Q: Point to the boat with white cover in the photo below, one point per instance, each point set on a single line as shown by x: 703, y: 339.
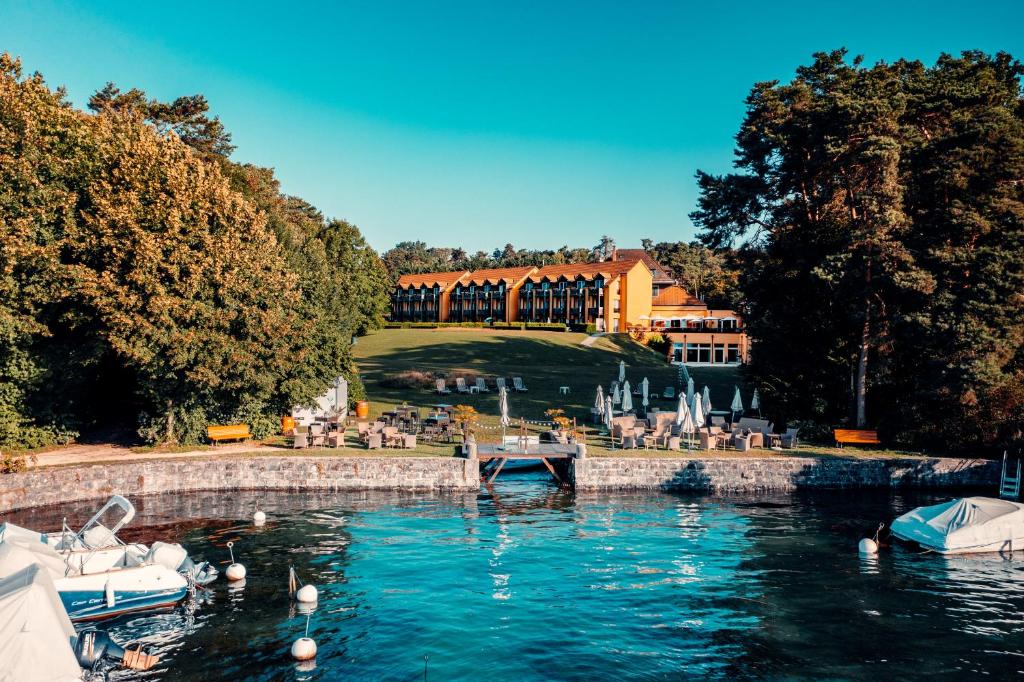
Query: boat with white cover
x: 965, y: 525
x: 97, y: 575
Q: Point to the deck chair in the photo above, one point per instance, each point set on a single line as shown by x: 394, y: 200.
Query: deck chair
x: 441, y: 388
x: 481, y: 385
x: 669, y: 392
x: 499, y: 383
x: 517, y: 384
x: 460, y: 385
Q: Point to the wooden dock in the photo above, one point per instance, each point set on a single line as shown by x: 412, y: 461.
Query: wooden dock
x: 494, y: 457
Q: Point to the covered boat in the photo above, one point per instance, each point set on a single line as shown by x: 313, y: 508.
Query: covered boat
x: 965, y: 525
x: 37, y: 637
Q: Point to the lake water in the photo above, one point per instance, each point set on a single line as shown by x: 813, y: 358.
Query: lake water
x: 527, y: 582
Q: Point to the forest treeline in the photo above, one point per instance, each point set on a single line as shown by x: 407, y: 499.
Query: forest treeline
x: 149, y: 282
x: 879, y: 214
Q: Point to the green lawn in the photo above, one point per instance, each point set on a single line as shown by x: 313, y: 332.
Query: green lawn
x: 545, y: 360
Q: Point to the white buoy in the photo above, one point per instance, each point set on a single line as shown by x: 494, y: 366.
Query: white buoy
x: 303, y: 649
x: 259, y: 518
x: 867, y: 546
x: 234, y: 571
x: 306, y: 594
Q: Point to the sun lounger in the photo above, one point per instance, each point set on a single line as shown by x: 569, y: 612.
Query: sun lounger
x: 500, y: 383
x: 481, y: 385
x: 517, y: 384
x: 460, y: 385
x: 668, y: 393
x: 441, y: 388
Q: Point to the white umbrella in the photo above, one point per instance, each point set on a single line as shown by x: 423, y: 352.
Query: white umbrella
x: 697, y: 412
x: 755, y: 403
x: 599, y: 400
x: 684, y: 420
x: 644, y: 388
x: 608, y: 416
x: 503, y: 408
x: 689, y: 390
x: 616, y: 395
x: 622, y: 371
x: 706, y: 401
x: 627, y: 398
x: 737, y: 404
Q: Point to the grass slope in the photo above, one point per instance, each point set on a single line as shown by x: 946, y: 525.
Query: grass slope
x: 545, y: 360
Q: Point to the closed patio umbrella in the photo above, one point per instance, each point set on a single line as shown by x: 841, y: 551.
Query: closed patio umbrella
x: 599, y: 400
x: 627, y: 398
x: 616, y: 395
x: 737, y: 404
x: 755, y: 403
x: 697, y: 412
x: 689, y: 390
x: 644, y: 388
x: 684, y: 420
x: 608, y: 416
x: 622, y: 371
x: 706, y: 401
x: 503, y: 408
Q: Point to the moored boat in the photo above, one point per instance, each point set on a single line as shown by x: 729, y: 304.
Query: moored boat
x: 964, y: 525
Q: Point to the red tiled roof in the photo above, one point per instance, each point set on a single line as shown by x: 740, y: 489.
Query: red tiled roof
x: 495, y: 275
x: 442, y: 279
x: 676, y: 295
x: 640, y: 254
x: 572, y: 270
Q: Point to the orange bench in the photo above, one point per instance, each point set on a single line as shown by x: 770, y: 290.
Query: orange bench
x: 228, y: 432
x: 856, y: 437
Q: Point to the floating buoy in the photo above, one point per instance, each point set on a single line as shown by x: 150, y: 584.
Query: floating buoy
x: 258, y: 517
x: 867, y: 546
x: 234, y: 571
x: 303, y: 649
x: 306, y: 594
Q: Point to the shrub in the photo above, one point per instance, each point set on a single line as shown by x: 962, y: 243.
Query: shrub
x: 12, y: 464
x: 408, y: 379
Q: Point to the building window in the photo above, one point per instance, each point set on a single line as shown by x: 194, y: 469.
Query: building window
x: 580, y: 284
x: 728, y: 323
x: 719, y: 353
x: 437, y: 290
x: 545, y: 286
x: 599, y: 282
x: 675, y: 324
x: 615, y: 306
x: 561, y: 286
x: 733, y: 352
x: 529, y: 286
x: 698, y: 353
x: 677, y: 352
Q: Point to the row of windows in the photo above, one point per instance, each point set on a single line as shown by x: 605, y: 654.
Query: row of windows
x: 562, y: 286
x: 719, y: 353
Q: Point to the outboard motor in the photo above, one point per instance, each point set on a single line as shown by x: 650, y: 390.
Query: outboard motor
x: 94, y: 646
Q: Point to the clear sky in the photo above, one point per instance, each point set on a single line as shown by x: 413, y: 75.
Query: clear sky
x: 478, y: 123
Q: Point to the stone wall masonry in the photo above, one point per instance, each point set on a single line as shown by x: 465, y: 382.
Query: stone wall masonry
x: 57, y: 485
x: 734, y: 474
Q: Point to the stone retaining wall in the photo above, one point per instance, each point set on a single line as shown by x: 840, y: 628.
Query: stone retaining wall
x: 734, y: 474
x: 56, y: 485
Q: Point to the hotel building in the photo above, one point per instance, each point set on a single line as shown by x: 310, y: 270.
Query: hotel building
x: 628, y: 292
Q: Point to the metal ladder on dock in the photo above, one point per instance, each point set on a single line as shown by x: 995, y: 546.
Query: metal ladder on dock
x: 1009, y: 482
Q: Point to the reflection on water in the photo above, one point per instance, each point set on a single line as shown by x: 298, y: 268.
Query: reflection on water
x: 528, y: 582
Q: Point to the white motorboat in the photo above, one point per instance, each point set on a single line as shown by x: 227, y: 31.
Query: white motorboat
x: 965, y: 525
x: 96, y: 574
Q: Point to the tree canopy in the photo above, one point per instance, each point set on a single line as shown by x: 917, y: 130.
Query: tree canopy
x: 880, y: 212
x: 144, y: 275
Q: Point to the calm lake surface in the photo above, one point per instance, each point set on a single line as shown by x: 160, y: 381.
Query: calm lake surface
x: 527, y: 582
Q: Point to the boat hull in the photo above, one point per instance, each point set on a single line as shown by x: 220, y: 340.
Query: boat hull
x: 103, y: 595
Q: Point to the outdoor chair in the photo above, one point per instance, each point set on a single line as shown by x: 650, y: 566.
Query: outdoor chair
x: 668, y: 393
x: 499, y: 383
x: 460, y: 385
x: 743, y: 443
x: 299, y: 441
x: 409, y: 440
x: 374, y: 442
x: 708, y: 440
x: 441, y: 388
x: 336, y: 439
x: 789, y: 439
x: 756, y: 439
x: 481, y: 386
x: 390, y: 434
x: 518, y: 385
x: 316, y: 435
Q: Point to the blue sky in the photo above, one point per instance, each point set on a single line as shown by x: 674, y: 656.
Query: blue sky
x: 474, y: 124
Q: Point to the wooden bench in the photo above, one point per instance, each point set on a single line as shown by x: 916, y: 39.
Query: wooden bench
x: 856, y: 437
x: 228, y: 432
